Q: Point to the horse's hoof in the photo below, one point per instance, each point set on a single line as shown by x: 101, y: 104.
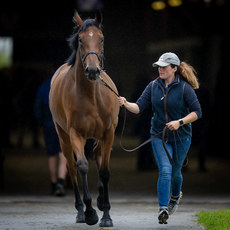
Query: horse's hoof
x: 106, y: 222
x: 80, y: 218
x: 91, y: 217
x: 100, y: 203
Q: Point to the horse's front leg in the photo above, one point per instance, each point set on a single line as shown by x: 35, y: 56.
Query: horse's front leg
x: 79, y: 205
x: 78, y: 143
x: 104, y: 175
x: 68, y: 152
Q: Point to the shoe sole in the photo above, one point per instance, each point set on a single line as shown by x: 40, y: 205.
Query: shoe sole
x: 163, y: 217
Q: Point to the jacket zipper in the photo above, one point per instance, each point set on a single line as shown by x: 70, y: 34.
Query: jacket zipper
x: 165, y: 105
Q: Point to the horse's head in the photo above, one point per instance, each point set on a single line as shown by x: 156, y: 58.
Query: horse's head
x: 91, y: 45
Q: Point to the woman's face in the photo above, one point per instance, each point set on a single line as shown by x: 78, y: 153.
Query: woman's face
x: 167, y: 72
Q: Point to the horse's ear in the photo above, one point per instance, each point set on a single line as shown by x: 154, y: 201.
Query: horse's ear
x: 98, y: 17
x: 78, y: 19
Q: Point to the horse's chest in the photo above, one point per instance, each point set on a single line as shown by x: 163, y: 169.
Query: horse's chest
x: 92, y: 125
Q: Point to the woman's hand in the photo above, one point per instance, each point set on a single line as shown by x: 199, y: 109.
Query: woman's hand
x: 122, y: 100
x: 173, y: 125
x: 132, y: 107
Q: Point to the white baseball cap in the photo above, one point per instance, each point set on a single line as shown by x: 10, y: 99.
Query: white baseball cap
x: 167, y: 59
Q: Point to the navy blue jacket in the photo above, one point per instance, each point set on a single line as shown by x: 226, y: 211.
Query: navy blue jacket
x: 41, y: 105
x: 168, y: 104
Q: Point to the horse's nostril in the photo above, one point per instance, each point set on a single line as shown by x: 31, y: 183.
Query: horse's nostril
x: 97, y: 72
x: 87, y: 71
x: 92, y: 72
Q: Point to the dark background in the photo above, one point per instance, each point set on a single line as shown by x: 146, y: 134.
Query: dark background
x: 135, y: 37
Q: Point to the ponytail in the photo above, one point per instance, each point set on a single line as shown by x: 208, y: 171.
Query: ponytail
x: 189, y: 74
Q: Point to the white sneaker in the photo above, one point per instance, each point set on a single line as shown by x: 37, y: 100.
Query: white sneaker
x: 173, y: 203
x: 163, y: 216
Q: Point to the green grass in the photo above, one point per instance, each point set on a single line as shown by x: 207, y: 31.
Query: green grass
x: 215, y: 220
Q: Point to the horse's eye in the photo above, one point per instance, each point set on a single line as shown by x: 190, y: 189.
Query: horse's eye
x: 80, y: 41
x: 102, y: 40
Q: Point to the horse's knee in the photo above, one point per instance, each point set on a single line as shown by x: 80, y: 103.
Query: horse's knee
x: 82, y: 166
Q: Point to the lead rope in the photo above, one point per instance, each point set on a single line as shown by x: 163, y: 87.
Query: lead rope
x: 139, y: 146
x: 106, y: 84
x: 185, y: 163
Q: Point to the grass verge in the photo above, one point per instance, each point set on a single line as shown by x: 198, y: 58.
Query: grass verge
x: 215, y: 220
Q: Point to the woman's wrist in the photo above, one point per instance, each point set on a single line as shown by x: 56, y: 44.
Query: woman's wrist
x: 181, y: 122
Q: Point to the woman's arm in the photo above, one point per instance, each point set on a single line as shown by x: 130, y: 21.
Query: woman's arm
x: 142, y: 103
x: 193, y: 104
x: 174, y: 125
x: 191, y: 117
x: 132, y: 107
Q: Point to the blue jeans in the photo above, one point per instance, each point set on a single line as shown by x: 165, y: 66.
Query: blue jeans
x: 170, y: 177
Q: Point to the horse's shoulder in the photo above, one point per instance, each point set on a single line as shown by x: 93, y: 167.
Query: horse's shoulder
x: 61, y: 70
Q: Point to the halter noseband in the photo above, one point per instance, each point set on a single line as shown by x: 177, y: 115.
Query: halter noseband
x: 100, y: 58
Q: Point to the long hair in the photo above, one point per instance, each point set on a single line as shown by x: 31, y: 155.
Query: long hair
x: 189, y: 74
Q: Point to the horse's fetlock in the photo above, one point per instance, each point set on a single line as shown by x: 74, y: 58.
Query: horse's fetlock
x: 79, y: 206
x: 88, y: 201
x: 106, y: 206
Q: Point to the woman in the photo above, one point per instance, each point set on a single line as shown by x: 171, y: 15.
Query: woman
x: 175, y: 105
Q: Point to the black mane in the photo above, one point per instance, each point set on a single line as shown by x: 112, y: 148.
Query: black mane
x: 73, y: 39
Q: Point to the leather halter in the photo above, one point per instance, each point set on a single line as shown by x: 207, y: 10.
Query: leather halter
x: 100, y: 58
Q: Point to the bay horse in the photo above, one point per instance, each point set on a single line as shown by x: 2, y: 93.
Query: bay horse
x: 83, y: 108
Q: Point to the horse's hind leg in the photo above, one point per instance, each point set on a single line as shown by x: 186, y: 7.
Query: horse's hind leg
x: 104, y: 175
x: 100, y: 198
x: 78, y: 143
x: 68, y: 152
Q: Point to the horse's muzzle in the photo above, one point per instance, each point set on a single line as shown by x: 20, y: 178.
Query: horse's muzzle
x: 92, y: 73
